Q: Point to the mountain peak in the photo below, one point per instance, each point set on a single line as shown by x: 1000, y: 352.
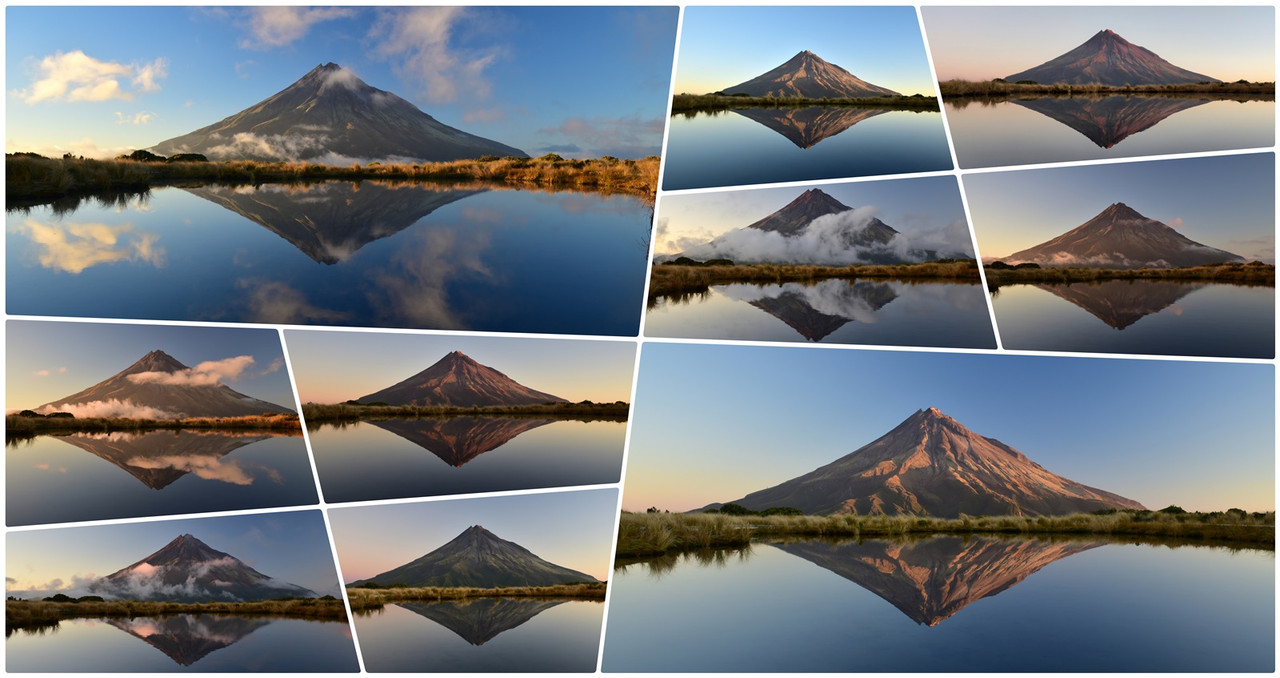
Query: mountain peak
x: 457, y: 380
x: 810, y: 76
x: 189, y: 570
x: 157, y: 361
x: 1108, y: 59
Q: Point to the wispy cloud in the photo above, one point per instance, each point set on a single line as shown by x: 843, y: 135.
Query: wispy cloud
x: 419, y: 43
x: 76, y: 76
x: 142, y: 118
x: 207, y: 373
x: 277, y: 26
x: 74, y: 247
x: 622, y: 137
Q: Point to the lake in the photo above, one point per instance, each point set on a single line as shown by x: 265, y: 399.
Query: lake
x: 1059, y: 129
x: 96, y: 476
x: 830, y: 311
x: 1139, y: 316
x: 191, y: 643
x: 946, y: 604
x: 340, y: 253
x: 428, y: 457
x: 483, y: 635
x: 764, y: 145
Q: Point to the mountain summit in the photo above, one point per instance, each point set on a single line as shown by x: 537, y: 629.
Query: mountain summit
x: 809, y: 76
x: 458, y: 381
x: 158, y: 386
x: 930, y: 464
x: 796, y: 216
x: 333, y: 116
x: 187, y: 570
x: 1120, y: 237
x: 479, y: 558
x: 1108, y: 59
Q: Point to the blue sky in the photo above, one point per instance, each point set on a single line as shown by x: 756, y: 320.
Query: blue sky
x: 571, y: 529
x: 713, y: 423
x: 723, y: 46
x: 580, y: 81
x: 290, y: 546
x: 576, y: 370
x: 1226, y: 202
x: 46, y: 361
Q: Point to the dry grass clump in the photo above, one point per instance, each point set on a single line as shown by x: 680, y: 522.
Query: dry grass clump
x: 1002, y: 88
x: 1252, y: 273
x: 713, y: 102
x: 316, y: 414
x: 672, y: 279
x: 373, y: 598
x: 18, y: 426
x: 42, y: 613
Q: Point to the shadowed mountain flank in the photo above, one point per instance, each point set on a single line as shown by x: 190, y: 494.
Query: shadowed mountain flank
x: 185, y: 638
x: 159, y: 458
x: 458, y: 440
x: 933, y: 579
x: 932, y: 465
x: 1120, y: 237
x: 458, y: 381
x: 331, y: 221
x: 1108, y: 59
x: 480, y: 559
x: 1121, y: 303
x: 480, y: 620
x: 1106, y: 121
x: 187, y: 570
x: 332, y: 115
x: 157, y: 386
x: 807, y: 126
x: 808, y: 76
x: 796, y: 216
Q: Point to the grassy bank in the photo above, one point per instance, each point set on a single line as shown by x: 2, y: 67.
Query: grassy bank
x: 676, y: 279
x: 681, y: 103
x: 34, y: 179
x: 316, y: 413
x: 653, y: 534
x: 40, y: 613
x: 19, y: 427
x: 1001, y: 88
x: 374, y: 598
x: 1253, y: 273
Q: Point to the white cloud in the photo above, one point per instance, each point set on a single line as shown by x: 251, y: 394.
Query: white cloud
x: 112, y: 408
x: 208, y: 373
x: 417, y: 42
x: 620, y: 137
x: 136, y: 119
x: 73, y: 247
x: 76, y: 76
x: 277, y: 26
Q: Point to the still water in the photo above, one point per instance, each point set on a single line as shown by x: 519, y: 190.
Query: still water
x: 1057, y: 129
x: 763, y: 145
x: 830, y: 311
x: 483, y: 635
x: 340, y: 253
x: 946, y: 604
x: 1139, y: 316
x: 191, y: 643
x: 96, y: 476
x: 429, y: 457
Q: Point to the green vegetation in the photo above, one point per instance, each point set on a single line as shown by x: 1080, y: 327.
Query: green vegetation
x: 32, y: 179
x: 685, y: 276
x: 373, y: 597
x: 316, y: 414
x: 692, y: 103
x: 1253, y: 273
x: 1002, y: 88
x: 652, y: 533
x: 28, y: 424
x: 36, y: 614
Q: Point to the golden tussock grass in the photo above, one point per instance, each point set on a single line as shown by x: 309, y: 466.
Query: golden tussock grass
x: 373, y: 598
x: 676, y: 279
x: 1252, y: 273
x: 37, y: 613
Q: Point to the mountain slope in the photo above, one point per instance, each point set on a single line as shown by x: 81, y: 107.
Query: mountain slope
x: 932, y: 465
x: 458, y: 381
x: 187, y: 570
x: 1108, y: 59
x: 807, y: 75
x: 160, y: 387
x: 479, y: 558
x: 331, y: 115
x: 1120, y: 237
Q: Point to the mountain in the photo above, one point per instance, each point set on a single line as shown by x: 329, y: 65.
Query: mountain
x: 796, y: 216
x: 479, y: 558
x: 186, y: 638
x: 1120, y: 237
x: 808, y: 76
x: 1108, y: 59
x: 330, y: 115
x: 1106, y: 121
x: 806, y: 126
x: 458, y: 440
x: 480, y: 620
x: 160, y: 387
x: 1121, y: 303
x: 815, y: 311
x: 932, y: 465
x: 160, y: 458
x: 458, y: 381
x: 187, y: 570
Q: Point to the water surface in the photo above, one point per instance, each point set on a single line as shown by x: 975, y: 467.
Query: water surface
x: 1139, y: 316
x: 428, y: 457
x: 96, y: 476
x: 830, y: 311
x: 762, y: 145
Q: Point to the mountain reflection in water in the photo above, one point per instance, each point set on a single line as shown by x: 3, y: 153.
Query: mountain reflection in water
x: 187, y: 638
x: 479, y: 620
x: 457, y: 440
x: 816, y: 311
x: 158, y: 458
x: 1121, y: 303
x: 1107, y: 121
x: 805, y: 127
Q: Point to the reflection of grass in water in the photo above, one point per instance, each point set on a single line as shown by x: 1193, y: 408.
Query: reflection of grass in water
x: 316, y: 414
x: 1001, y: 88
x: 654, y: 534
x: 19, y: 427
x: 681, y: 280
x: 364, y: 599
x: 691, y: 104
x: 40, y: 615
x: 1252, y: 273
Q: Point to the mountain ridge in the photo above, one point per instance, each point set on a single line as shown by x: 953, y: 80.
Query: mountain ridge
x: 457, y: 380
x: 806, y: 75
x: 1108, y: 59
